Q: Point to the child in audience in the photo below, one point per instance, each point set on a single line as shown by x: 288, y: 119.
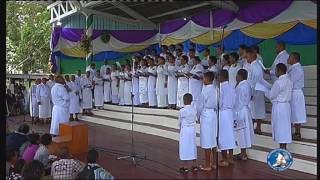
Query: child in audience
x: 32, y: 148
x: 33, y: 170
x: 42, y: 154
x: 187, y: 141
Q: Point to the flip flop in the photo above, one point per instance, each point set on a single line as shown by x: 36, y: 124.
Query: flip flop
x: 205, y: 168
x: 183, y: 170
x: 195, y: 168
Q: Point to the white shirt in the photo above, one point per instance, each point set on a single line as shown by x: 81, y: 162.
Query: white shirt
x: 233, y: 70
x: 243, y: 95
x: 60, y: 96
x: 296, y: 75
x: 197, y: 70
x: 187, y: 116
x: 103, y: 69
x: 255, y: 74
x: 42, y: 90
x: 227, y: 96
x: 92, y: 72
x: 282, y: 57
x: 204, y: 62
x: 208, y: 98
x: 281, y: 90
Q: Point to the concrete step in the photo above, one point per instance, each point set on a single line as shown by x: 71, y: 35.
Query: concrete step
x: 310, y: 110
x: 307, y: 166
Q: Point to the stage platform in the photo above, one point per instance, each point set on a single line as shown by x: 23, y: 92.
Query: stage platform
x: 162, y: 154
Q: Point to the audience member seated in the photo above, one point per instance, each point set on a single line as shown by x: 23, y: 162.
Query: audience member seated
x: 32, y: 148
x: 66, y: 167
x: 16, y: 139
x: 33, y: 170
x: 16, y: 173
x: 92, y: 170
x: 11, y: 158
x: 42, y: 153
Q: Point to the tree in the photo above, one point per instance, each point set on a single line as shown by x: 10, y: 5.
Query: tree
x: 28, y: 34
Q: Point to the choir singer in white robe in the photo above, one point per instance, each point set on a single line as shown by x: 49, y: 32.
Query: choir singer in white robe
x: 74, y: 94
x: 298, y: 106
x: 226, y: 139
x: 98, y: 91
x: 61, y: 103
x: 143, y: 83
x: 135, y: 83
x: 183, y: 80
x: 34, y: 107
x: 114, y: 84
x: 234, y: 68
x: 161, y: 84
x: 280, y: 96
x: 172, y: 82
x: 43, y: 99
x: 127, y: 85
x: 107, y: 86
x: 244, y: 133
x: 121, y: 86
x: 86, y: 95
x: 195, y: 79
x: 152, y: 78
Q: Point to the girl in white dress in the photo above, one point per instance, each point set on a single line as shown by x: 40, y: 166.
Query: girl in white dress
x: 152, y: 77
x: 114, y: 84
x: 86, y: 94
x: 143, y: 83
x: 234, y: 68
x: 127, y: 85
x: 107, y: 85
x: 161, y: 84
x: 183, y: 80
x: 121, y: 86
x: 74, y: 98
x: 172, y: 82
x: 98, y: 91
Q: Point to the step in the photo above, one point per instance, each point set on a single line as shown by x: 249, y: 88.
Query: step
x: 310, y: 110
x: 311, y: 121
x: 299, y: 164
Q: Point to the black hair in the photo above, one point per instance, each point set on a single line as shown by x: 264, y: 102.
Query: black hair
x: 34, y: 138
x: 19, y: 166
x: 92, y: 156
x: 296, y: 56
x: 93, y: 64
x: 197, y: 59
x: 209, y: 75
x: 46, y: 139
x: 282, y: 44
x: 227, y: 58
x: 248, y: 50
x: 164, y: 46
x: 187, y: 98
x: 33, y: 170
x: 256, y: 48
x: 282, y: 67
x: 185, y: 57
x: 10, y: 154
x: 224, y: 74
x: 243, y: 73
x: 235, y: 56
x: 213, y: 58
x: 221, y: 47
x: 242, y: 46
x: 24, y: 128
x: 193, y: 50
x: 208, y: 50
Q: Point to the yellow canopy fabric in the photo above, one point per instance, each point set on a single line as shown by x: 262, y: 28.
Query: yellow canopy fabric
x: 206, y: 39
x: 312, y: 23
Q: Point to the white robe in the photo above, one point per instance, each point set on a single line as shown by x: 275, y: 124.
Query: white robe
x: 298, y: 105
x: 215, y: 70
x: 233, y: 70
x: 245, y: 136
x: 143, y: 85
x: 127, y: 88
x: 34, y: 107
x: 282, y: 57
x: 227, y: 100
x: 280, y: 96
x: 195, y: 86
x: 187, y: 141
x: 78, y: 80
x: 152, y: 97
x: 107, y: 87
x: 257, y: 105
x: 121, y: 88
x: 92, y: 72
x: 135, y: 89
x: 86, y: 86
x: 204, y: 61
x: 207, y: 109
x: 60, y: 111
x: 98, y: 92
x: 161, y: 90
x: 74, y: 97
x: 114, y: 87
x: 103, y: 69
x: 43, y: 96
x: 183, y: 85
x: 172, y: 84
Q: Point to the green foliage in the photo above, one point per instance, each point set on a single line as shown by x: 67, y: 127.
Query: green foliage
x: 28, y: 36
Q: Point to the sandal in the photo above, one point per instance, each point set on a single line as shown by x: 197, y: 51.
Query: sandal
x: 258, y: 132
x: 183, y: 170
x: 296, y: 136
x: 205, y: 168
x: 194, y: 168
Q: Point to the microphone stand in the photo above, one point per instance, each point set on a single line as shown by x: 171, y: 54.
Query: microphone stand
x: 133, y: 156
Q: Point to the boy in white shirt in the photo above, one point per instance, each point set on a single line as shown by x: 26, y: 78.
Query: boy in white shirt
x: 187, y: 141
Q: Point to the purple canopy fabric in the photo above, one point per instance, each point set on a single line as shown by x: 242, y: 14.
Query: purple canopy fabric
x: 219, y: 18
x: 72, y: 34
x: 171, y: 26
x: 133, y: 36
x: 55, y: 37
x: 262, y: 10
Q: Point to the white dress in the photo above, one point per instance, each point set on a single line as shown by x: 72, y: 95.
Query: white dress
x: 107, y: 87
x: 282, y: 57
x: 74, y: 97
x: 43, y: 96
x: 187, y: 141
x: 143, y: 85
x: 86, y: 87
x: 127, y: 88
x: 172, y: 84
x: 227, y: 100
x: 152, y: 97
x: 60, y: 110
x: 195, y: 86
x: 161, y: 90
x: 34, y: 107
x: 135, y: 89
x: 298, y: 104
x: 280, y: 96
x: 233, y: 70
x: 207, y: 109
x: 183, y: 85
x: 114, y: 87
x: 244, y: 136
x: 98, y: 92
x: 121, y: 88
